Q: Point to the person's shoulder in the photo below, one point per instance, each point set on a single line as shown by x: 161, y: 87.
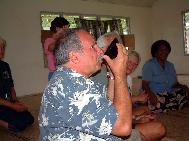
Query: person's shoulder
x: 169, y: 63
x: 50, y: 39
x: 149, y: 62
x: 3, y: 63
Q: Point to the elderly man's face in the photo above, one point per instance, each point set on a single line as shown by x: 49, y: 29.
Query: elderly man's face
x: 2, y: 51
x: 91, y: 53
x: 132, y: 64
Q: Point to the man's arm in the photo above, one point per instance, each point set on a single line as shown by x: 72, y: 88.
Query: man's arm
x: 121, y: 96
x: 123, y: 105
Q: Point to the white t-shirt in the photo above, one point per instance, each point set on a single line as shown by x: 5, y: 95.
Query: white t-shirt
x: 129, y: 83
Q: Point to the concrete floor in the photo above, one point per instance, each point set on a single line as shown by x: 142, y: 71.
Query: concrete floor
x: 177, y: 124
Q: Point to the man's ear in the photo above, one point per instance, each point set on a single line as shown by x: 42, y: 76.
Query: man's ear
x: 73, y: 57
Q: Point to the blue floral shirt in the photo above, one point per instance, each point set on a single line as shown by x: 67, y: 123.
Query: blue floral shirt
x: 75, y: 108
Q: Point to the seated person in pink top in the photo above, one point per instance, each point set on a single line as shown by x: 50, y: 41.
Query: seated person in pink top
x: 58, y: 26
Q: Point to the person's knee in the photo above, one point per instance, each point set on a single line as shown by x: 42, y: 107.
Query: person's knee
x: 154, y: 130
x: 20, y: 127
x: 30, y: 120
x: 3, y: 124
x: 16, y: 127
x: 27, y: 118
x: 160, y: 129
x: 24, y: 122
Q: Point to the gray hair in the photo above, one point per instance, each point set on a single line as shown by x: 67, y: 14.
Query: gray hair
x: 101, y: 42
x: 136, y: 54
x: 3, y: 42
x: 69, y: 41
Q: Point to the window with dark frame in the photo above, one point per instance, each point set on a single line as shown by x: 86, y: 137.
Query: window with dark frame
x: 47, y: 17
x: 95, y: 24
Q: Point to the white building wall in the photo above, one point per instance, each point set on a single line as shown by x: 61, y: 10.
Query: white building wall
x: 20, y: 26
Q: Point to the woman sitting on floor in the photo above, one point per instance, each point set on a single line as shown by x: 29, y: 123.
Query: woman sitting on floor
x: 160, y: 82
x: 14, y: 115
